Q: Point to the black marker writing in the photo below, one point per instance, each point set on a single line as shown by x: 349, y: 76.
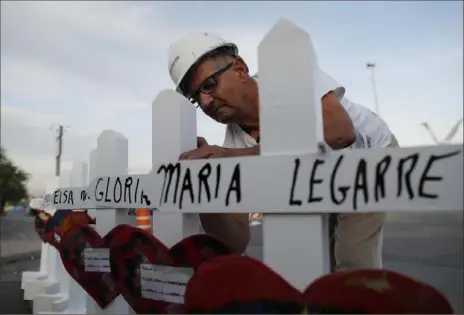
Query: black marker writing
x: 218, y: 181
x: 168, y: 174
x: 410, y: 172
x: 313, y: 181
x: 63, y: 197
x: 405, y: 175
x: 426, y: 177
x: 202, y: 181
x: 342, y: 189
x: 381, y: 169
x: 360, y: 183
x: 84, y: 195
x: 292, y: 201
x: 117, y: 190
x: 125, y: 193
x: 235, y: 186
x: 186, y: 187
x: 203, y: 175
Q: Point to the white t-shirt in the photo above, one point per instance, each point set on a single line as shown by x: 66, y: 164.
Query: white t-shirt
x: 371, y: 130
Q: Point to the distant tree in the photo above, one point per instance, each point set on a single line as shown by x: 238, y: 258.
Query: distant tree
x: 12, y: 181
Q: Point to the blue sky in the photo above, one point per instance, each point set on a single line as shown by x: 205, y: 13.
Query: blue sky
x: 96, y: 66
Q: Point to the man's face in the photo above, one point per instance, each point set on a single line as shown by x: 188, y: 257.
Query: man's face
x: 217, y: 86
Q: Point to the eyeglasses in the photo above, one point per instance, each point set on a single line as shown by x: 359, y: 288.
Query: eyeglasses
x: 209, y: 84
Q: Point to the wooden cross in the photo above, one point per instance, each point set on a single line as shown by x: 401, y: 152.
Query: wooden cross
x: 296, y: 182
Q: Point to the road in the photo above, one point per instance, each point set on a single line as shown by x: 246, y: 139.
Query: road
x: 19, y: 251
x: 427, y: 247
x: 17, y: 235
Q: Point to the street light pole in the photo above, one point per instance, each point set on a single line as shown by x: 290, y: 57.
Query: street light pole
x: 59, y: 149
x: 60, y: 129
x: 371, y: 67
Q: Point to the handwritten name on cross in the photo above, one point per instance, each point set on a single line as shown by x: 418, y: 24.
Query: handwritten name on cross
x: 393, y: 179
x: 365, y: 180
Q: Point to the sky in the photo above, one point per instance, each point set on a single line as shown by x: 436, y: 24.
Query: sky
x: 94, y: 65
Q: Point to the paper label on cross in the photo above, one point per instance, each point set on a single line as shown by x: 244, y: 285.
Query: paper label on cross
x: 97, y: 260
x: 164, y: 283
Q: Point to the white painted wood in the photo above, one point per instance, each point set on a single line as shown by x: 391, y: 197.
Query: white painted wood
x: 62, y: 276
x: 79, y: 174
x: 174, y: 131
x: 77, y: 295
x: 54, y: 258
x: 112, y: 159
x: 295, y: 228
x: 71, y: 297
x: 35, y: 283
x: 93, y: 173
x: 46, y: 291
x: 90, y: 306
x: 291, y: 121
x: 266, y: 183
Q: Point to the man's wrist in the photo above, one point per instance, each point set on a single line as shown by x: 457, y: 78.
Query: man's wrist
x: 234, y: 152
x: 244, y: 151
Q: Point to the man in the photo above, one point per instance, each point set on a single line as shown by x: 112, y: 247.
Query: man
x: 208, y: 70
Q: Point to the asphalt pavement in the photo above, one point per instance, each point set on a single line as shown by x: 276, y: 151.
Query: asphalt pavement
x: 19, y: 251
x: 427, y: 247
x: 17, y: 235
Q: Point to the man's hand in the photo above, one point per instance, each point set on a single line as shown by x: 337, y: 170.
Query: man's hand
x: 206, y: 151
x: 232, y: 228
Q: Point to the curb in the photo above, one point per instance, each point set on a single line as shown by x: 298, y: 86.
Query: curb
x: 32, y: 255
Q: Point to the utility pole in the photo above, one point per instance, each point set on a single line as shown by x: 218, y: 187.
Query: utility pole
x: 59, y: 149
x: 371, y: 66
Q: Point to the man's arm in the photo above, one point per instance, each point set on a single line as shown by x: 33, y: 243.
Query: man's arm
x: 234, y: 229
x: 231, y: 228
x: 339, y: 131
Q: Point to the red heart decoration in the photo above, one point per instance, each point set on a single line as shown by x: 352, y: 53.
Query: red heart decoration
x: 99, y: 285
x: 238, y: 284
x: 135, y: 246
x: 73, y: 218
x: 48, y: 227
x: 374, y: 291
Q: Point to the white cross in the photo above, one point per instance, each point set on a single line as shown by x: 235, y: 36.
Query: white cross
x: 293, y: 183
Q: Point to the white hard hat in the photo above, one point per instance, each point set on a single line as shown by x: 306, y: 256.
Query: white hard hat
x: 191, y: 50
